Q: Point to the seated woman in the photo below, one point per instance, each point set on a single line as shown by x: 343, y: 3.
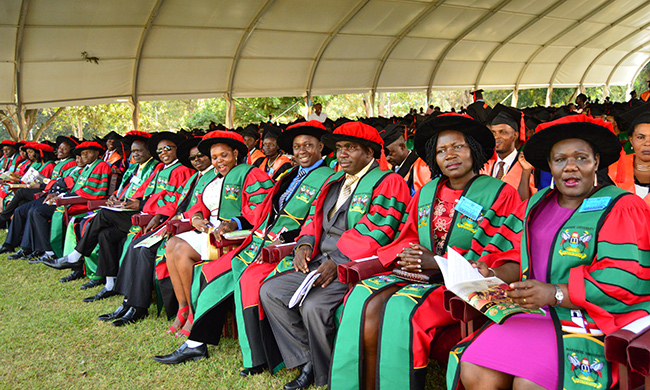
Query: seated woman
x: 238, y: 189
x: 584, y: 259
x: 632, y: 172
x: 455, y: 147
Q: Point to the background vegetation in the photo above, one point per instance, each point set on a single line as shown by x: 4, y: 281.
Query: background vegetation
x: 98, y: 120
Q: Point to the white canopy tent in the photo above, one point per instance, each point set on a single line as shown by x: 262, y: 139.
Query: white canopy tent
x: 176, y: 49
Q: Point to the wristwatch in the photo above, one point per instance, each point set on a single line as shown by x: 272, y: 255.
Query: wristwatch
x: 559, y: 295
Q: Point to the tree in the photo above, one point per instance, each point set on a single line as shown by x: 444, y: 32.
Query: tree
x: 19, y: 123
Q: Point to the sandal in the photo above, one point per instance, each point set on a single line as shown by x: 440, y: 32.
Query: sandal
x: 181, y: 318
x: 183, y: 332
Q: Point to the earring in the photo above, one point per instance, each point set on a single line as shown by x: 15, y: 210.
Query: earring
x: 595, y: 180
x: 552, y: 183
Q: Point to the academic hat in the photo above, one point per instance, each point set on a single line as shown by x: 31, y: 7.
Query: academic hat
x: 392, y: 133
x: 70, y: 140
x: 595, y: 131
x: 112, y: 135
x: 92, y: 145
x: 313, y: 127
x: 8, y: 143
x: 152, y: 143
x: 510, y: 116
x: 183, y: 151
x: 479, y: 91
x: 270, y: 131
x: 251, y: 131
x: 356, y: 132
x: 230, y: 138
x: 636, y: 116
x: 136, y: 135
x: 457, y: 122
x: 632, y: 92
x: 340, y: 121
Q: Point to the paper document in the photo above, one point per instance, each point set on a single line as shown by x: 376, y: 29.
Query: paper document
x: 487, y: 295
x: 303, y: 290
x: 115, y: 208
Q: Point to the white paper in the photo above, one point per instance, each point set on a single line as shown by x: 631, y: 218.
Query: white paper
x: 638, y: 325
x: 456, y: 269
x: 366, y: 259
x: 115, y: 208
x: 303, y: 289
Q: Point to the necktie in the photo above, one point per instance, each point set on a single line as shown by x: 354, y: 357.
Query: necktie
x: 285, y: 196
x: 345, y: 193
x: 500, y: 170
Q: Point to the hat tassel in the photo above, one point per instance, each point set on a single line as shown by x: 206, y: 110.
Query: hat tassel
x: 522, y: 128
x: 383, y: 163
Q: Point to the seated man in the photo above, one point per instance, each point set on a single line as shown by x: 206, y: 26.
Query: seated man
x: 10, y: 156
x: 358, y: 210
x: 405, y: 162
x: 109, y: 228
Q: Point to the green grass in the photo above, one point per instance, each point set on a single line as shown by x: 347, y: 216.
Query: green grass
x: 50, y: 339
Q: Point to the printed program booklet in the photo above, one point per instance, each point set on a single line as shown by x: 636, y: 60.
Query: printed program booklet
x: 487, y: 295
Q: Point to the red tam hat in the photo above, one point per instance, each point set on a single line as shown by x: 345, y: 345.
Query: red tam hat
x: 313, y: 127
x: 234, y: 140
x: 88, y: 145
x: 8, y: 143
x: 595, y: 131
x: 360, y: 133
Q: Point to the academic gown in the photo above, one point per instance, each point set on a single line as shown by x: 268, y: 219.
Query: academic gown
x: 368, y: 220
x: 413, y: 312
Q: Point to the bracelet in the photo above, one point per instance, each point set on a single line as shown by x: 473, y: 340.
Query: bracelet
x: 494, y: 273
x: 195, y: 217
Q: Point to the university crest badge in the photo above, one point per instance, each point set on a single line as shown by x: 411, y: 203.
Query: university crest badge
x: 574, y: 244
x: 232, y: 192
x: 359, y: 203
x: 251, y: 251
x: 305, y: 193
x: 464, y: 222
x: 423, y: 215
x: 586, y: 372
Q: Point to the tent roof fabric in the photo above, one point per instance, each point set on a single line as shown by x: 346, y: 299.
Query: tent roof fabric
x: 175, y: 49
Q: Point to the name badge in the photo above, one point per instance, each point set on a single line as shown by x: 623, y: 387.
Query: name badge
x: 469, y: 208
x: 594, y: 204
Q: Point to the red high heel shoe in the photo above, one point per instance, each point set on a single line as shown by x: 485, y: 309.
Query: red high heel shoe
x: 183, y: 332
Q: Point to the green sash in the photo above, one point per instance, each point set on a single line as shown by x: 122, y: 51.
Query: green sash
x: 482, y: 190
x: 582, y: 362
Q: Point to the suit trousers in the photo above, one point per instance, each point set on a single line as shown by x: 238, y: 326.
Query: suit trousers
x: 108, y: 229
x: 304, y: 333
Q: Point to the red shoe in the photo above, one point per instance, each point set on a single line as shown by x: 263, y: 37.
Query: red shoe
x: 181, y: 318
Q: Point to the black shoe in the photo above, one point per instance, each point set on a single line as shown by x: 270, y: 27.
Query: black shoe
x: 92, y: 283
x: 44, y: 257
x: 183, y: 354
x: 20, y: 255
x: 36, y: 255
x: 63, y: 263
x: 74, y: 275
x: 6, y: 248
x: 118, y: 313
x: 134, y: 314
x: 252, y: 371
x: 304, y: 380
x: 102, y: 294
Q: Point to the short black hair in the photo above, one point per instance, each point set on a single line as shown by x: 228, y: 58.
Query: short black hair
x: 476, y: 151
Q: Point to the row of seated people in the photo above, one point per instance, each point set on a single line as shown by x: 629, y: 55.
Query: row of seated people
x: 363, y: 210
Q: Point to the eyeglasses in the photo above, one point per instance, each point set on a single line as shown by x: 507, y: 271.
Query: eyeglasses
x: 198, y: 155
x: 165, y: 148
